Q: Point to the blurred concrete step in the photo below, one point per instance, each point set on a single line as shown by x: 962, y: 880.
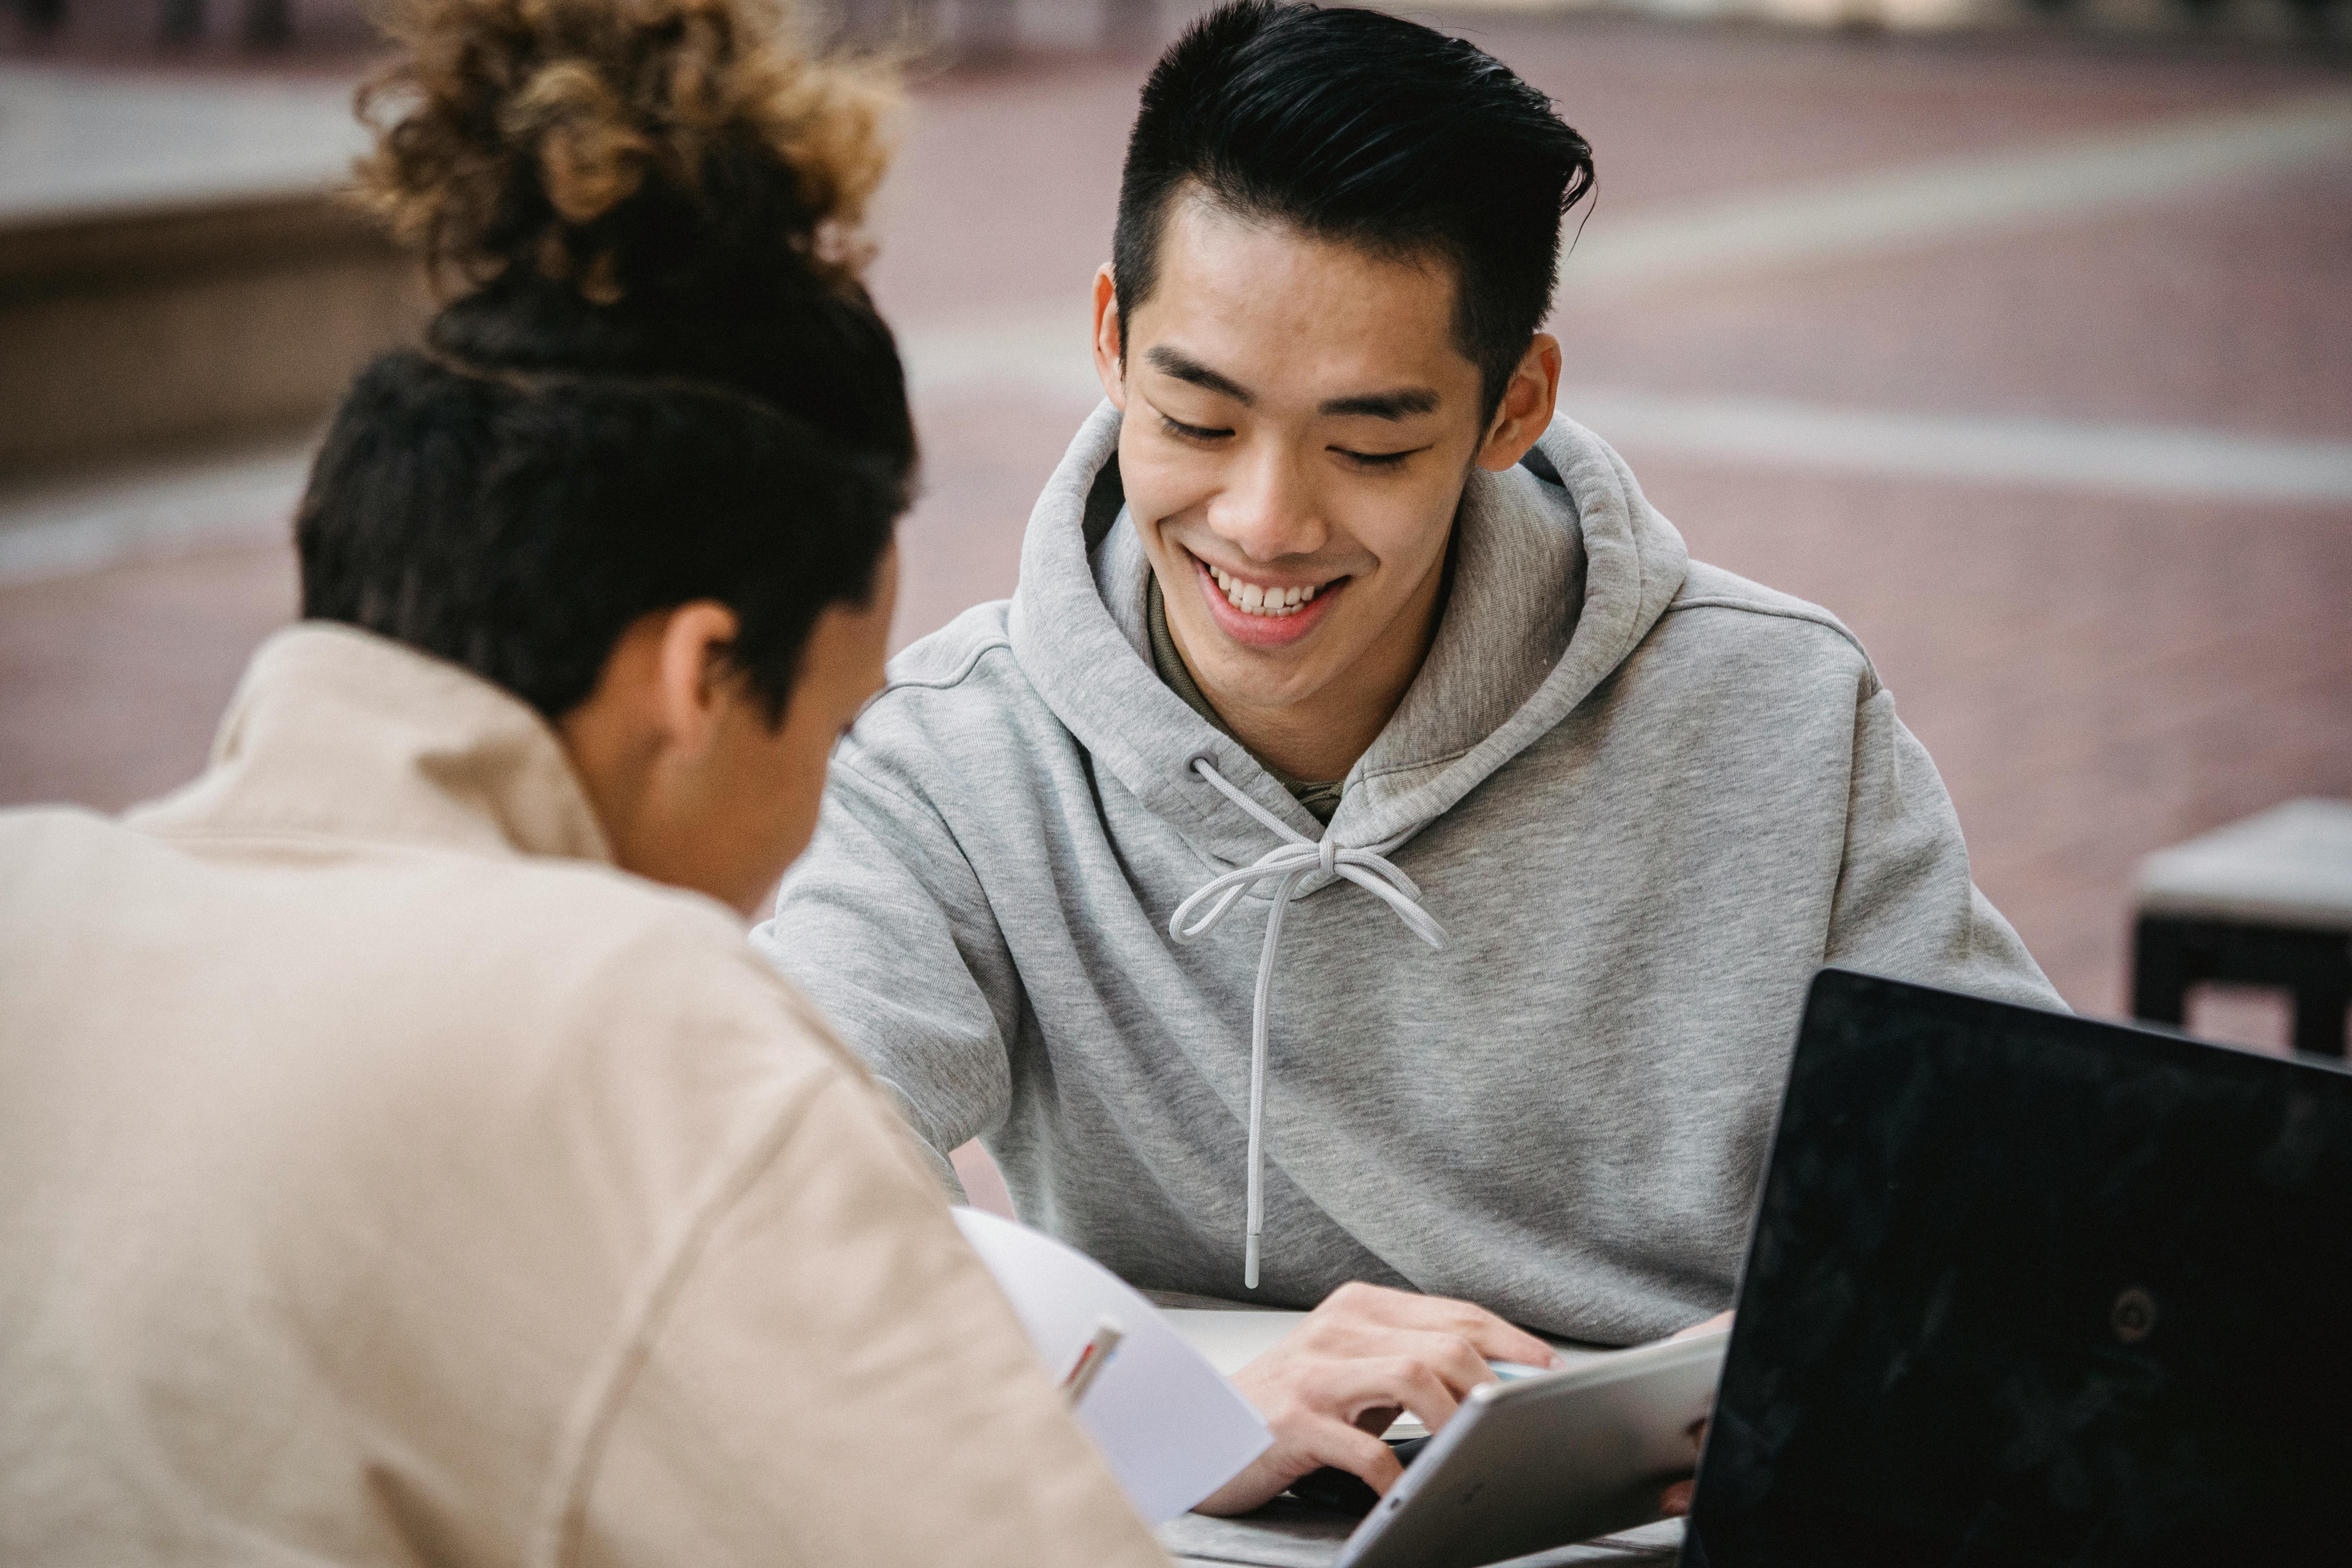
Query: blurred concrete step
x: 64, y: 523
x: 175, y: 264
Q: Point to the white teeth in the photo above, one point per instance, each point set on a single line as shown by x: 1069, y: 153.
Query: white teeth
x: 1255, y: 599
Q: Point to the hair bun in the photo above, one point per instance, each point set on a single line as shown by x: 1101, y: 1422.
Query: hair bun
x: 622, y: 148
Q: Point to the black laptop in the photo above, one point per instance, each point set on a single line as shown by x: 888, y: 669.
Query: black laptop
x: 2030, y: 1289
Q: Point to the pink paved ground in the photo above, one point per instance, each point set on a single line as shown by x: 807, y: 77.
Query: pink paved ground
x: 2096, y: 675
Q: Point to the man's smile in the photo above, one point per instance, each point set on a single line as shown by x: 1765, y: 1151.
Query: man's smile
x: 1260, y: 612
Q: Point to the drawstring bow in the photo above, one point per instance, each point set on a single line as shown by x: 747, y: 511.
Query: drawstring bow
x: 1287, y: 864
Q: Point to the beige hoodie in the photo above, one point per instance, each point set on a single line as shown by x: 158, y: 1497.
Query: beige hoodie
x: 386, y: 1178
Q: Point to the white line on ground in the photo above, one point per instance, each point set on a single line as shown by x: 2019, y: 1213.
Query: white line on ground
x: 2177, y: 464
x: 2181, y: 465
x: 1939, y: 202
x: 254, y: 498
x: 241, y: 496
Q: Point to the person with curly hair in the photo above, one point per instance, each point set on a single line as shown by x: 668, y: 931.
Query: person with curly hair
x: 402, y: 1157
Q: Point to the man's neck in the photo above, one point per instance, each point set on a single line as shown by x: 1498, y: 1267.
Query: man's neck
x: 1318, y: 739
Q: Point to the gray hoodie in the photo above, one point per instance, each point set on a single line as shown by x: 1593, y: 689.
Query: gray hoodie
x: 1523, y: 1036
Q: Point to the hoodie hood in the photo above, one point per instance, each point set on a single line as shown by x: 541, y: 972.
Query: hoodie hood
x: 1530, y: 1058
x: 1561, y: 568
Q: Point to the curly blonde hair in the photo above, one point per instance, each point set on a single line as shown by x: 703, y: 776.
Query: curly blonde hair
x: 615, y: 146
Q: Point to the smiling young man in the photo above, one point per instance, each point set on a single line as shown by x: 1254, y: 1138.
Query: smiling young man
x: 1366, y: 848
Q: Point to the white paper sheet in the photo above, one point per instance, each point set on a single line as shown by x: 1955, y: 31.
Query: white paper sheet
x: 1172, y: 1428
x: 1229, y: 1341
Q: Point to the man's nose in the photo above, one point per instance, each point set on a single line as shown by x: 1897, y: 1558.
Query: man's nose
x: 1267, y: 511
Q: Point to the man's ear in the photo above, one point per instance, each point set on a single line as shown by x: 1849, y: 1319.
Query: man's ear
x: 1527, y: 407
x: 1107, y: 347
x: 693, y: 672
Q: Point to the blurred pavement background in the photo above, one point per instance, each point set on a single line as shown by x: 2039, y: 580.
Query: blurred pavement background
x: 2026, y: 349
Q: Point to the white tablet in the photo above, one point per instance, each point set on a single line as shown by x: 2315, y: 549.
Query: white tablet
x: 1538, y: 1462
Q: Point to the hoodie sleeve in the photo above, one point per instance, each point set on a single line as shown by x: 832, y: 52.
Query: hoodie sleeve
x: 1905, y: 906
x: 884, y: 926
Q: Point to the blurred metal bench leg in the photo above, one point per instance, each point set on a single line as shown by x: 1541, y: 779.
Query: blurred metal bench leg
x: 2171, y: 956
x: 182, y: 21
x: 2164, y: 968
x: 268, y: 23
x: 2265, y: 901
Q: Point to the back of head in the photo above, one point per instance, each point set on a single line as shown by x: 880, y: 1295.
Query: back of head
x: 1353, y: 125
x: 660, y: 380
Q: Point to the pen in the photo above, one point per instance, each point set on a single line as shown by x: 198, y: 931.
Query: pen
x: 1093, y: 1356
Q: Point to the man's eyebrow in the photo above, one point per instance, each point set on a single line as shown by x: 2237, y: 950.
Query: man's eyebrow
x: 1397, y: 405
x: 1185, y: 367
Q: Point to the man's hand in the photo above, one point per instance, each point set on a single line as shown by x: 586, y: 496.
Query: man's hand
x: 1675, y: 1501
x: 1337, y: 1381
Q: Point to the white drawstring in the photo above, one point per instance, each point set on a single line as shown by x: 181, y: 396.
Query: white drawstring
x: 1287, y: 864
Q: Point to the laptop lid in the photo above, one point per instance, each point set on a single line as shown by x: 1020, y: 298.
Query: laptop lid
x: 2026, y: 1288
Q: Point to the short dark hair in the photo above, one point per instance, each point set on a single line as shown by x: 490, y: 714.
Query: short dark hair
x: 1353, y: 125
x: 666, y: 383
x: 519, y: 527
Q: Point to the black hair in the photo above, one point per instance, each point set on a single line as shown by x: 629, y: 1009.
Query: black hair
x: 665, y: 381
x: 548, y: 471
x: 1353, y: 125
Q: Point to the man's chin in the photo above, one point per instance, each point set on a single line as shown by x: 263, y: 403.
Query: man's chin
x: 1238, y: 678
